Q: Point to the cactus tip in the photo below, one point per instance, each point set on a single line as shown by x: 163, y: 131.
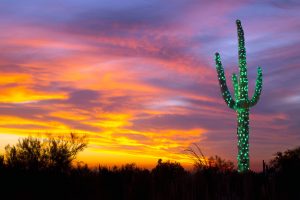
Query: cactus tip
x: 238, y: 22
x: 217, y: 54
x: 259, y: 69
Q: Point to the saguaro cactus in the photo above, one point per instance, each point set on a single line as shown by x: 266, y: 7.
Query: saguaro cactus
x: 240, y: 103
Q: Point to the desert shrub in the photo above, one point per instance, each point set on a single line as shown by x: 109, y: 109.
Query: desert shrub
x: 288, y: 161
x: 285, y: 173
x: 55, y: 153
x: 1, y: 161
x: 28, y: 153
x: 220, y: 164
x: 168, y: 170
x: 201, y: 162
x: 61, y: 151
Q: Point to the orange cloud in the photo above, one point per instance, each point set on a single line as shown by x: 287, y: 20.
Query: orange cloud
x: 22, y: 94
x: 15, y: 78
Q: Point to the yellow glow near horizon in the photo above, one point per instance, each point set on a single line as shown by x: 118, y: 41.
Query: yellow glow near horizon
x: 95, y: 157
x: 21, y: 94
x: 110, y: 151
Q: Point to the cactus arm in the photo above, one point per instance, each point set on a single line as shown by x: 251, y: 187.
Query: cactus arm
x: 235, y: 86
x: 222, y: 82
x: 243, y: 83
x: 258, y: 88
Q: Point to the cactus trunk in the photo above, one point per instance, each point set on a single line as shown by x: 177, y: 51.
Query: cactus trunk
x: 243, y: 139
x: 241, y: 104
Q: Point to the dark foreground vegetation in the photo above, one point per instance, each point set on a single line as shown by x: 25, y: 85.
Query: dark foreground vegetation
x: 36, y: 169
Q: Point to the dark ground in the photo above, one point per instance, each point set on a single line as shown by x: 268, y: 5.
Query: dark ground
x: 36, y: 169
x: 130, y: 182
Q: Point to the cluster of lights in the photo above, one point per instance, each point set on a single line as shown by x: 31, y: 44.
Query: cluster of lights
x: 241, y: 103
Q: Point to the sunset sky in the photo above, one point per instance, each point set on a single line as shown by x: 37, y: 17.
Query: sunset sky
x: 138, y: 77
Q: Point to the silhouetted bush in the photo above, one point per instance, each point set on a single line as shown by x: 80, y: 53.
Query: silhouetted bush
x: 288, y: 161
x: 220, y: 164
x: 285, y: 173
x: 168, y: 180
x: 28, y: 153
x: 212, y: 163
x: 61, y: 151
x: 55, y: 153
x: 168, y: 170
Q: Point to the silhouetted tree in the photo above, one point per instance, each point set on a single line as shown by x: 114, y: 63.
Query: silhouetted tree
x: 28, y: 153
x: 56, y: 153
x: 285, y: 171
x: 288, y: 161
x: 61, y: 151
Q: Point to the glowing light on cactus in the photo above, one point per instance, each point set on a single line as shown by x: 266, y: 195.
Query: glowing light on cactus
x: 240, y: 103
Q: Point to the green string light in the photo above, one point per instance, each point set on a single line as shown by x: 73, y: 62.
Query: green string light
x: 241, y: 104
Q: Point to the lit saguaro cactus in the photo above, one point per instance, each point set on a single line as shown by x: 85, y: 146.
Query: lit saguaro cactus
x: 240, y: 103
